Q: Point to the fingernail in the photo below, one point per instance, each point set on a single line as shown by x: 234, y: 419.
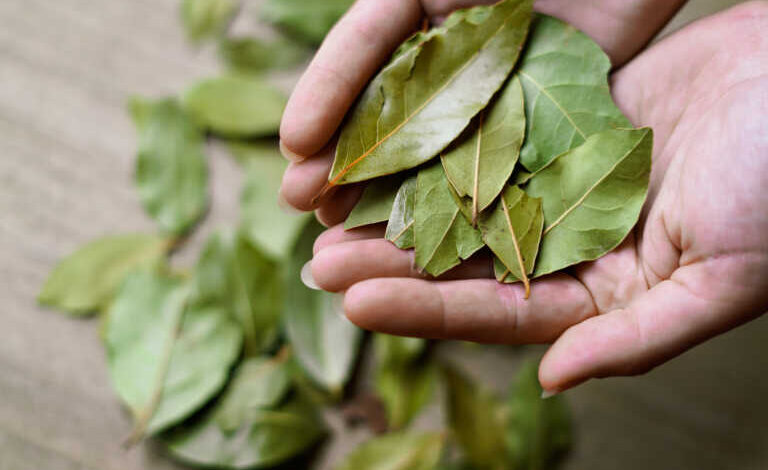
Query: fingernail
x: 548, y: 394
x: 306, y: 276
x: 289, y: 155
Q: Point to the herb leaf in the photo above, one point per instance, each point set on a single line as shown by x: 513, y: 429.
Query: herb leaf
x: 397, y: 451
x: 252, y: 56
x: 400, y: 225
x: 206, y: 18
x: 375, y: 205
x: 307, y: 20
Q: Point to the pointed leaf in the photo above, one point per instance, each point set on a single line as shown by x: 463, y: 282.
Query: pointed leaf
x: 252, y: 55
x: 376, y: 203
x: 400, y: 225
x: 86, y: 280
x: 308, y: 20
x: 480, y: 165
x: 205, y: 18
x: 398, y: 451
x: 171, y: 172
x: 427, y: 95
x: 592, y: 197
x: 567, y: 99
x: 236, y: 106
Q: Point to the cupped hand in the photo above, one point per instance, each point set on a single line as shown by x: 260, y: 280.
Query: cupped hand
x: 695, y: 266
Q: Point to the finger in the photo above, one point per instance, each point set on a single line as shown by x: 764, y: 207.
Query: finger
x: 336, y: 208
x: 337, y: 234
x: 303, y: 181
x: 352, y: 52
x: 473, y: 310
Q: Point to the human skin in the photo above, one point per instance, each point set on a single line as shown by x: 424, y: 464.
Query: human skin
x: 695, y: 266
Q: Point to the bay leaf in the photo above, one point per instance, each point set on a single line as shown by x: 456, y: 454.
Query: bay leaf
x: 427, y: 95
x: 86, y: 281
x: 442, y: 236
x: 479, y: 166
x: 261, y: 151
x: 236, y: 277
x: 564, y: 75
x: 512, y: 230
x: 539, y: 430
x: 206, y: 18
x: 264, y: 222
x: 397, y: 451
x: 592, y: 197
x: 375, y: 204
x: 246, y: 55
x: 266, y: 437
x: 324, y: 341
x: 307, y: 20
x: 166, y: 358
x: 400, y: 225
x: 171, y: 172
x: 236, y: 106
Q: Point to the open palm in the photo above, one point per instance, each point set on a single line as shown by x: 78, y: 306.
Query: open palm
x: 697, y: 263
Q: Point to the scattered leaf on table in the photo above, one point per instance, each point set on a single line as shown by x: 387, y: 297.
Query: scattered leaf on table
x: 480, y: 165
x: 236, y: 277
x: 206, y: 18
x: 425, y: 97
x: 323, y: 340
x: 565, y: 81
x: 236, y: 106
x: 252, y: 55
x: 397, y: 451
x: 308, y: 20
x: 166, y: 357
x: 512, y: 230
x: 592, y: 197
x: 85, y: 281
x: 171, y: 172
x: 264, y: 152
x: 265, y: 223
x: 539, y: 430
x: 375, y: 205
x: 400, y: 225
x: 442, y: 236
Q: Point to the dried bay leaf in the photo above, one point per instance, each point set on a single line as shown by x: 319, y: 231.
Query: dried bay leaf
x: 425, y: 97
x: 480, y: 165
x: 442, y: 236
x: 252, y: 55
x: 86, y: 281
x: 206, y: 18
x: 592, y: 197
x: 564, y: 75
x: 171, y: 172
x: 400, y: 225
x: 236, y: 106
x: 397, y: 451
x: 375, y: 204
x: 307, y: 20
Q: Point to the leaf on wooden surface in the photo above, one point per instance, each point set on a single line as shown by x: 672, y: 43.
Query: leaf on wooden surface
x: 166, y: 357
x: 479, y: 166
x: 427, y: 95
x: 86, y: 281
x: 236, y: 106
x: 171, y: 172
x: 203, y: 19
x: 397, y: 451
x: 512, y: 230
x: 592, y: 197
x: 307, y: 20
x: 323, y: 340
x: 442, y: 236
x: 564, y: 75
x: 400, y: 225
x: 252, y: 56
x: 375, y: 205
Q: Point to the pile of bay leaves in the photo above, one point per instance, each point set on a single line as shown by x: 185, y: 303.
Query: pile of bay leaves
x: 496, y: 129
x: 233, y: 362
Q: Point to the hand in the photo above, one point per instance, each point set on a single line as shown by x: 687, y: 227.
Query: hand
x: 695, y: 266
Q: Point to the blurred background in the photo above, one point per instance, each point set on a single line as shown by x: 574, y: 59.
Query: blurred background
x: 67, y: 148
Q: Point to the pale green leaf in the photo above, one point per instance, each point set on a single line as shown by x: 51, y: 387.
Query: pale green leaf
x: 427, y: 95
x: 400, y: 225
x: 252, y: 55
x: 397, y: 451
x: 307, y: 20
x: 206, y: 18
x: 375, y: 204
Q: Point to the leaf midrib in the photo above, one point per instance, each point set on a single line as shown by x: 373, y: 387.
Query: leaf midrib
x: 543, y: 91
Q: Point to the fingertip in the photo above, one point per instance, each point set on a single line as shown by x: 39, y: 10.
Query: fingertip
x: 330, y: 237
x: 303, y: 181
x: 289, y: 154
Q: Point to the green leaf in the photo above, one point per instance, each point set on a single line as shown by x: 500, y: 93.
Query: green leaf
x: 427, y: 95
x: 206, y: 18
x: 252, y: 56
x: 165, y: 356
x: 512, y: 230
x: 539, y: 430
x: 397, y: 451
x: 375, y: 205
x: 171, y: 172
x: 477, y: 421
x: 233, y: 275
x: 263, y: 152
x: 592, y: 197
x: 324, y: 341
x: 236, y: 106
x: 85, y: 281
x: 307, y: 20
x: 400, y: 225
x: 567, y: 98
x: 442, y: 236
x: 480, y: 165
x: 265, y: 438
x: 265, y: 223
